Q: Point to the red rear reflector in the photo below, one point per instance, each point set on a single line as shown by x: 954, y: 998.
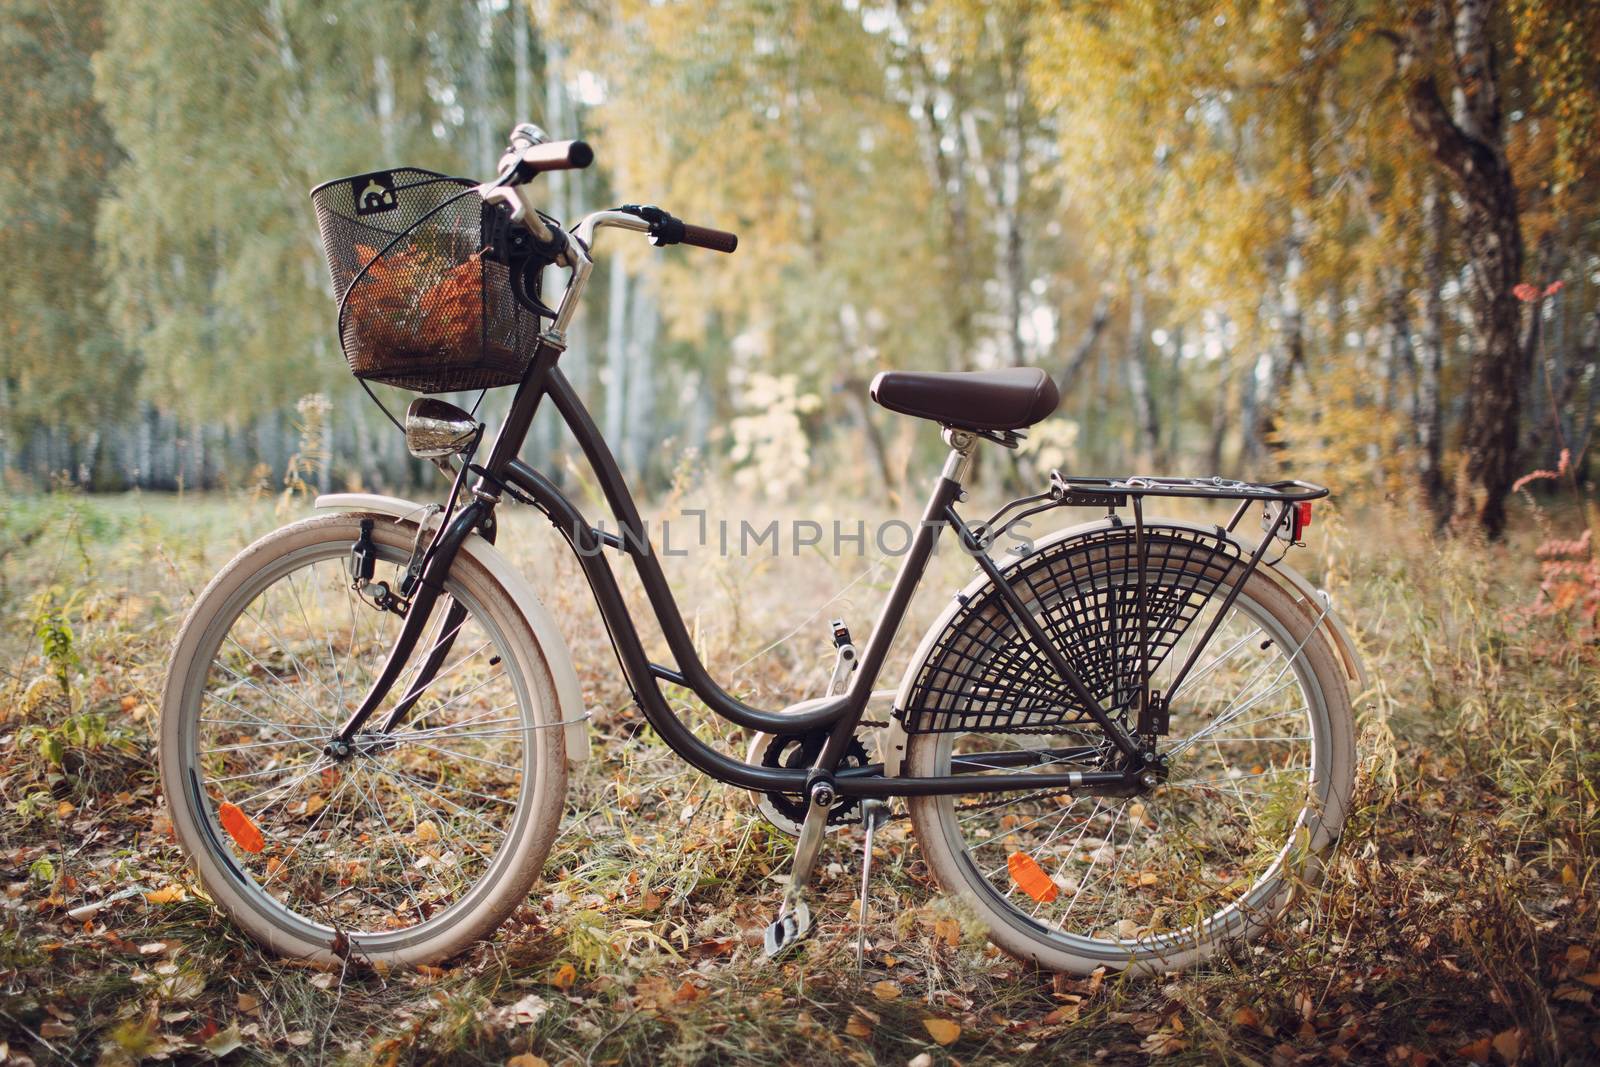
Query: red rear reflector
x: 1302, y: 517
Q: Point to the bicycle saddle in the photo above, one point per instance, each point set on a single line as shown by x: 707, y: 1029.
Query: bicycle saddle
x: 1007, y: 399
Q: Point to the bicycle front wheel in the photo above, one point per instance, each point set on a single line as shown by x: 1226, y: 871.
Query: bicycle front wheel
x: 1260, y: 750
x: 414, y: 842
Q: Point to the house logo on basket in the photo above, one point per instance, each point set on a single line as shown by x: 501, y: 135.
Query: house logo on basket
x: 374, y: 193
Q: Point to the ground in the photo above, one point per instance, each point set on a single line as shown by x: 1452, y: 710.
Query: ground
x: 1457, y: 921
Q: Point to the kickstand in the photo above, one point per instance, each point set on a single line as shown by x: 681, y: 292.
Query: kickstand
x: 874, y: 813
x: 794, y: 918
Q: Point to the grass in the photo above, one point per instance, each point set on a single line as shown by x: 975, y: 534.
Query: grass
x: 1457, y: 921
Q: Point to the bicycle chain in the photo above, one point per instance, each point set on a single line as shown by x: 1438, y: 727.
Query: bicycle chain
x: 984, y: 805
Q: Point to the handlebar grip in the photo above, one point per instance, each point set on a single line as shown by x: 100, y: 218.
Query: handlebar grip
x: 555, y: 155
x: 706, y: 237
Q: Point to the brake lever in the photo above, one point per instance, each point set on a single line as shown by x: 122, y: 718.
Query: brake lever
x: 665, y: 228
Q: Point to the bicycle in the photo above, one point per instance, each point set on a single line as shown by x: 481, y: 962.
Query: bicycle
x: 1126, y: 745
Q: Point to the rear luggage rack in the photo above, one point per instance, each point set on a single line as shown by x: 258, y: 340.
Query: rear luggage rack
x: 1209, y: 488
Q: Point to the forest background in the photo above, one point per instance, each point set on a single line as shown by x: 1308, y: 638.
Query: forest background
x: 1356, y: 240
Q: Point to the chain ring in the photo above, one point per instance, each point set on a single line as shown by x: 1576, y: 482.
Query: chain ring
x: 800, y: 752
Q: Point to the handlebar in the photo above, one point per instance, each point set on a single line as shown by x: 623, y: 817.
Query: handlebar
x: 667, y: 229
x: 529, y: 154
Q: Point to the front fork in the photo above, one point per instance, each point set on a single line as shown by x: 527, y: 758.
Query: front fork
x: 424, y: 598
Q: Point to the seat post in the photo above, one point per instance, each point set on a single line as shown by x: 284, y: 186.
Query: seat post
x: 961, y: 444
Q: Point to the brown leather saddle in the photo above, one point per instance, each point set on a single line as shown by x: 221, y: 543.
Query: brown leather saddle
x: 983, y: 400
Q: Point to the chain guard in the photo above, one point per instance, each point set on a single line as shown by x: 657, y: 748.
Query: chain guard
x: 787, y: 811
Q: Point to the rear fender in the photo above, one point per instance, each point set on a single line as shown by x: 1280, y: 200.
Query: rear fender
x: 544, y: 628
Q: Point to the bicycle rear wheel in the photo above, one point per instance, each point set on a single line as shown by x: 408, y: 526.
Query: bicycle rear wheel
x: 1261, y: 750
x: 418, y: 841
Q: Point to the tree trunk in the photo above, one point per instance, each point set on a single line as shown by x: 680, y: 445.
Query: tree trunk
x: 641, y: 357
x: 521, y: 64
x: 617, y: 384
x: 1219, y: 419
x: 1072, y: 366
x: 1144, y: 405
x: 1430, y: 417
x: 1470, y: 147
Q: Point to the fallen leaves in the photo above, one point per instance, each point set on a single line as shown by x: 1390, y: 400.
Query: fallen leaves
x: 1247, y: 1017
x: 525, y: 1012
x: 223, y: 1042
x: 943, y: 1031
x: 886, y: 991
x: 1508, y: 1043
x: 167, y: 895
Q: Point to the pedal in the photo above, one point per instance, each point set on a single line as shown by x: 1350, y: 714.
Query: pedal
x: 874, y: 813
x: 786, y: 931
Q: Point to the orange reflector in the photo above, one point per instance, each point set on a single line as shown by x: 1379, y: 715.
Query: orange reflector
x: 240, y: 827
x: 1030, y: 877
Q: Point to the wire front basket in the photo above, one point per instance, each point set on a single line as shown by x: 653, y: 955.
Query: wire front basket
x: 1112, y: 623
x: 425, y: 301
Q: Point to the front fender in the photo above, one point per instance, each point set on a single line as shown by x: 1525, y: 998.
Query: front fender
x: 543, y: 625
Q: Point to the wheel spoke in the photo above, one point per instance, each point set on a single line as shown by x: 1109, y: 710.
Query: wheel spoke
x: 1141, y: 874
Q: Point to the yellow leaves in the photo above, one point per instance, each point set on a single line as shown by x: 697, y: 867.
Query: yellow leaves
x: 565, y: 976
x: 943, y: 1031
x: 426, y: 832
x: 1059, y: 1016
x: 1508, y: 1043
x: 886, y: 991
x: 169, y: 895
x: 1163, y: 1043
x: 858, y: 1027
x: 527, y: 1059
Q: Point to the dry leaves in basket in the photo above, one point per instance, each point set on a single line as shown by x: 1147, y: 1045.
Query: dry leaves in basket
x: 382, y: 304
x: 452, y: 311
